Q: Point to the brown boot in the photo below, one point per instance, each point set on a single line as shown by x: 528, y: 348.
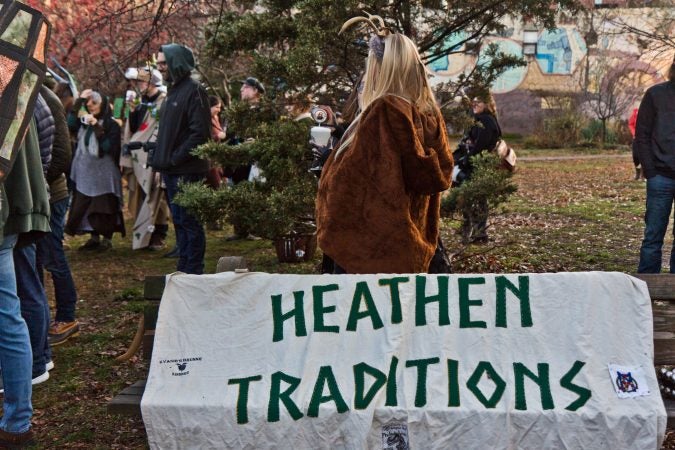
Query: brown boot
x: 16, y: 440
x: 60, y: 332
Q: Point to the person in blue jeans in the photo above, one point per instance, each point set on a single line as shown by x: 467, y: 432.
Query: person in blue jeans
x: 50, y: 253
x: 16, y: 358
x: 655, y: 147
x: 185, y: 123
x: 34, y: 309
x: 24, y: 207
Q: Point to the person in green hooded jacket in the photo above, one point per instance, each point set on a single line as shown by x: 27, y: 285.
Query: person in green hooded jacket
x: 24, y: 217
x: 184, y: 124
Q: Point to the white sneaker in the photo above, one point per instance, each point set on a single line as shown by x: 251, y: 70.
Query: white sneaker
x: 49, y: 365
x: 37, y: 380
x: 41, y: 378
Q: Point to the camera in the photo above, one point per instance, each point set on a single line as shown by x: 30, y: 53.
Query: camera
x: 462, y: 168
x: 321, y: 139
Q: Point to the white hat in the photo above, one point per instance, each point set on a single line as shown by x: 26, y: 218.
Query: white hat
x: 156, y: 78
x: 131, y: 73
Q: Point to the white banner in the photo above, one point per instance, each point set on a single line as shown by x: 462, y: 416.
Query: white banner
x: 262, y: 361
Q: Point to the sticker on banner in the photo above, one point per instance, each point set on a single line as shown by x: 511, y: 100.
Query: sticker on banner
x: 628, y: 381
x: 395, y: 436
x: 179, y: 367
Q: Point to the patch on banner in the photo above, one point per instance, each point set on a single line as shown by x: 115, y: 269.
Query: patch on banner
x: 179, y: 366
x: 628, y: 382
x: 395, y: 436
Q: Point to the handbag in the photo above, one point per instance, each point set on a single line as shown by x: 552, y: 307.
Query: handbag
x: 506, y: 154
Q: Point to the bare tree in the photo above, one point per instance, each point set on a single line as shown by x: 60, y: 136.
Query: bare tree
x: 97, y: 40
x: 614, y: 89
x: 651, y: 29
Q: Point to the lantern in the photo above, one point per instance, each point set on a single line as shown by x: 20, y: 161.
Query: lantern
x: 24, y: 35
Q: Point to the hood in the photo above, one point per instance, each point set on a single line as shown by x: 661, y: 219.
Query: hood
x: 179, y: 61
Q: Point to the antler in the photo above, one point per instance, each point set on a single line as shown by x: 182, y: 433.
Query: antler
x: 381, y: 31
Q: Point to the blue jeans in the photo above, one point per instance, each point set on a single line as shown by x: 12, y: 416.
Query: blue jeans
x: 51, y: 256
x: 190, y: 237
x: 660, y: 197
x: 34, y: 305
x: 16, y: 358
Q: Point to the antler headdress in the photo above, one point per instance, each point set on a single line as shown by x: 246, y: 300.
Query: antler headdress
x: 376, y: 43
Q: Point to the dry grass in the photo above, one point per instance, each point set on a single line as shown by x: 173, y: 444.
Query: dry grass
x: 569, y: 215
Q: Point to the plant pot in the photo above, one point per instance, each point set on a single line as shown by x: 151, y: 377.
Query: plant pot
x: 295, y: 248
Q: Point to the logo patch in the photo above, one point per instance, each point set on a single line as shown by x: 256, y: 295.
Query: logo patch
x: 180, y: 367
x: 625, y: 382
x: 395, y: 436
x: 628, y: 381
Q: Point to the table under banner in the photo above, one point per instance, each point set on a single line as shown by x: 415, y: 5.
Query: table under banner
x: 539, y: 361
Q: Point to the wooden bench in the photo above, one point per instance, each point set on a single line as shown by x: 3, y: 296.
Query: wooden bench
x: 661, y: 290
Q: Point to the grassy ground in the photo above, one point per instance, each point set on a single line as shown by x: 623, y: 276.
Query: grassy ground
x: 568, y: 215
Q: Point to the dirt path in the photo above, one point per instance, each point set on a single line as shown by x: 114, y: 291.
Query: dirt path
x: 571, y: 157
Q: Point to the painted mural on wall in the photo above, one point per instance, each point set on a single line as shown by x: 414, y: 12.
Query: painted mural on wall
x: 513, y: 77
x: 455, y: 63
x: 561, y: 50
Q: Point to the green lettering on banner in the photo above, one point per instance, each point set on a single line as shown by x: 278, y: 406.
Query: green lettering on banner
x: 361, y: 399
x: 453, y: 383
x: 278, y: 317
x: 542, y: 380
x: 396, y: 313
x: 242, y: 399
x: 276, y: 396
x: 362, y: 292
x: 465, y: 303
x: 320, y: 309
x: 583, y: 393
x: 522, y: 292
x: 392, y: 394
x: 421, y: 300
x: 422, y: 365
x: 484, y: 367
x: 326, y: 378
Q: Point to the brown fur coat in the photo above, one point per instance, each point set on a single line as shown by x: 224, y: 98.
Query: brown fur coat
x: 378, y: 205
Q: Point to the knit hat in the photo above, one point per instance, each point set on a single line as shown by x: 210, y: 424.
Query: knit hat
x: 254, y: 83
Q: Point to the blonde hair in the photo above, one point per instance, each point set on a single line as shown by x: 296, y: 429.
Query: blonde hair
x: 401, y: 72
x: 489, y: 100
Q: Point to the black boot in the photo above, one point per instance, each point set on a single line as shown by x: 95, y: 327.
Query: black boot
x: 173, y: 253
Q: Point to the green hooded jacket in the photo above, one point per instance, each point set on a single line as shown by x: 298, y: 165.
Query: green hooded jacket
x: 24, y: 207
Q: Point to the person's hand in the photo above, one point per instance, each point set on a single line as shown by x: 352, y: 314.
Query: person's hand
x: 221, y: 135
x: 89, y: 119
x: 86, y: 93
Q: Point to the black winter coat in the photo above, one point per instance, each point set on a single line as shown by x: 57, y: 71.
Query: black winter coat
x: 655, y: 131
x: 61, y: 149
x: 184, y: 124
x: 483, y: 135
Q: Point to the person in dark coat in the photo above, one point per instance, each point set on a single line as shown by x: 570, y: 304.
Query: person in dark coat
x: 482, y: 136
x: 50, y: 252
x: 185, y: 123
x: 655, y: 146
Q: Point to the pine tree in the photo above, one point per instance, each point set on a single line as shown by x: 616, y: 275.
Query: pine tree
x: 293, y: 47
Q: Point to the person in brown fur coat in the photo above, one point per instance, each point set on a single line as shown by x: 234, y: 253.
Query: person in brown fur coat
x: 378, y: 204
